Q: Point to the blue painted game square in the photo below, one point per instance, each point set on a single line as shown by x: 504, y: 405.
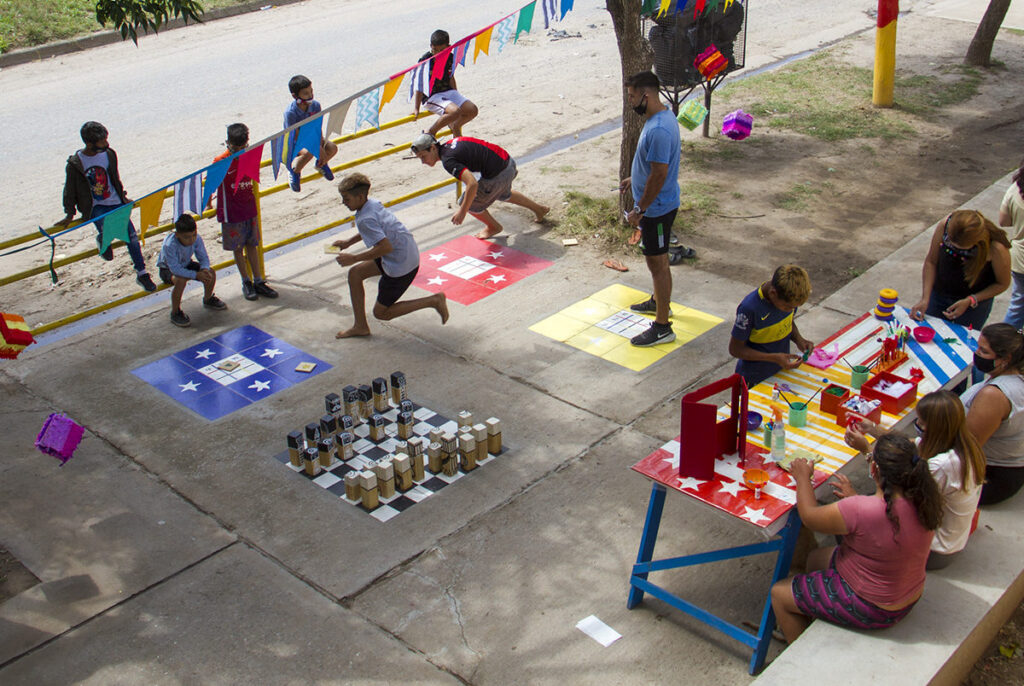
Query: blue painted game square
x: 272, y: 351
x: 202, y: 354
x: 242, y: 338
x: 191, y: 382
x: 260, y: 385
x: 213, y: 405
x: 164, y: 370
x: 287, y: 371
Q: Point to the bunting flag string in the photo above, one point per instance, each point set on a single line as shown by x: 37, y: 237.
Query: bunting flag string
x: 482, y: 43
x: 390, y: 88
x: 336, y: 118
x: 215, y: 177
x: 420, y: 81
x: 149, y: 211
x: 368, y: 110
x: 525, y: 19
x: 551, y: 11
x: 248, y: 166
x: 566, y: 6
x: 698, y: 7
x: 460, y: 54
x: 440, y: 61
x: 725, y: 7
x: 115, y: 225
x: 681, y: 5
x: 187, y: 195
x: 665, y: 4
x: 504, y: 32
x: 307, y: 138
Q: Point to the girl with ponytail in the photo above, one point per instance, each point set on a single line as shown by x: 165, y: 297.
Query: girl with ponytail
x: 872, y: 579
x: 995, y: 410
x: 968, y: 264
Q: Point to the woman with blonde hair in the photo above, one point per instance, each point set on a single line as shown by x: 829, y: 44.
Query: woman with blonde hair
x: 968, y: 264
x: 955, y: 460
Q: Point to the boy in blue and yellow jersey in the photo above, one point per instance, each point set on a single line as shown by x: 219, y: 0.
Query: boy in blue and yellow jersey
x: 764, y: 326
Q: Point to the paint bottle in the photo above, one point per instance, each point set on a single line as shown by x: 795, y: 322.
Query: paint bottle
x: 778, y: 437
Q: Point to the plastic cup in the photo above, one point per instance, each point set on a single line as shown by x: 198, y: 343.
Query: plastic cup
x: 858, y: 375
x: 798, y: 414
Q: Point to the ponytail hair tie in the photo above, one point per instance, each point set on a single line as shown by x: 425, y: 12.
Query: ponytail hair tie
x: 914, y: 460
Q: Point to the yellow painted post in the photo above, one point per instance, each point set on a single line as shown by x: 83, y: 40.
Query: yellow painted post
x: 885, y: 53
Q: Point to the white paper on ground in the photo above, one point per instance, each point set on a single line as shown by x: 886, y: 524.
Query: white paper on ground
x: 598, y: 630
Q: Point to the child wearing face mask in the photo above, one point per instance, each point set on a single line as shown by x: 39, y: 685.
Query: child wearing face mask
x: 995, y: 410
x: 304, y: 106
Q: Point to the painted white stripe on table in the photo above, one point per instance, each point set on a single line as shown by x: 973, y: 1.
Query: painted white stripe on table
x: 771, y: 488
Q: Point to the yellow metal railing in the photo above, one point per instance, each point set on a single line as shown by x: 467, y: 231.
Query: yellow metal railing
x: 260, y: 193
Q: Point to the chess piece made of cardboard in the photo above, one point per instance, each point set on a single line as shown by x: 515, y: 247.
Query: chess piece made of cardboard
x: 311, y: 461
x: 368, y: 490
x: 312, y: 433
x: 333, y: 404
x: 480, y: 436
x: 493, y: 435
x: 325, y: 451
x: 434, y: 457
x: 380, y: 394
x: 385, y: 471
x: 467, y: 452
x: 352, y: 489
x: 403, y: 472
x: 365, y: 401
x: 328, y: 426
x: 405, y: 424
x: 398, y: 390
x: 417, y: 467
x: 465, y: 419
x: 346, y: 423
x: 350, y: 400
x: 295, y: 447
x: 377, y: 423
x: 344, y: 439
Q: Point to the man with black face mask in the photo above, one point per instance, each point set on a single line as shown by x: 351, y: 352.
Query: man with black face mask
x: 654, y: 180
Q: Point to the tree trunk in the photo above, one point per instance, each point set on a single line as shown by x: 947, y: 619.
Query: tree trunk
x: 635, y: 55
x: 979, y: 53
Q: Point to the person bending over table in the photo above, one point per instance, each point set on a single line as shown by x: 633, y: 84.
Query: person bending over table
x: 995, y: 410
x: 872, y: 579
x: 764, y: 326
x: 968, y: 264
x: 955, y: 460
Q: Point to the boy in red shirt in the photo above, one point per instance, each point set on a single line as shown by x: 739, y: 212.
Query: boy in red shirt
x: 236, y: 212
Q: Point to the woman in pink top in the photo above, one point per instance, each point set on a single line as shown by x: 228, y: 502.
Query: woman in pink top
x: 873, y: 578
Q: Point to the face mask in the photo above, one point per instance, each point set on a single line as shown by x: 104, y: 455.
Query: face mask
x: 641, y: 109
x: 984, y: 365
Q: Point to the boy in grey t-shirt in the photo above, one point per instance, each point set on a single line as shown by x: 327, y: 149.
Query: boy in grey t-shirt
x: 392, y: 254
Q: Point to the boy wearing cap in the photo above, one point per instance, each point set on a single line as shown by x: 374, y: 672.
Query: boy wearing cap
x: 392, y: 255
x: 463, y: 156
x: 764, y: 326
x: 451, y: 107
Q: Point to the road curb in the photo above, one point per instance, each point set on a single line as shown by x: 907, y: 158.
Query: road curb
x: 95, y: 40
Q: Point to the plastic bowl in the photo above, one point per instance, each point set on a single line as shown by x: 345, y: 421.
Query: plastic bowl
x: 754, y: 420
x: 923, y: 334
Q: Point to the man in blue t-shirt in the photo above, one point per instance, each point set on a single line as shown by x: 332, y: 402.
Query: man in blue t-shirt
x: 764, y: 326
x: 654, y: 182
x: 392, y: 255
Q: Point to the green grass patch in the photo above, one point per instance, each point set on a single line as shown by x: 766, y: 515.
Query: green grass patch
x: 819, y: 97
x: 708, y: 153
x: 597, y: 221
x: 924, y: 96
x: 798, y: 197
x: 25, y: 23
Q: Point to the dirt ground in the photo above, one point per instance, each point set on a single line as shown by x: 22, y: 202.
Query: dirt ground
x: 835, y: 206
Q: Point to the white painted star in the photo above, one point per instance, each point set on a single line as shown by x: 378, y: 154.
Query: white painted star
x: 496, y: 278
x: 436, y: 281
x: 260, y: 385
x: 204, y: 354
x: 731, y: 487
x: 271, y: 352
x: 496, y: 254
x: 190, y: 386
x: 753, y: 515
x: 438, y: 256
x: 688, y: 482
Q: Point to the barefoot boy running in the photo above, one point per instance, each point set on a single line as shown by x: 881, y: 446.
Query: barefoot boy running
x: 392, y: 255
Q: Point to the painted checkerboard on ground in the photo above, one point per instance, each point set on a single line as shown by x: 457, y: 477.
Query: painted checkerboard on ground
x: 602, y: 325
x: 468, y: 269
x: 367, y: 452
x: 196, y: 376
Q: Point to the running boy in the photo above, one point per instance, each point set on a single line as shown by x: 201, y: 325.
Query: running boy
x: 764, y: 326
x: 183, y: 258
x: 451, y: 107
x: 93, y: 187
x: 392, y: 255
x: 236, y: 212
x: 304, y: 106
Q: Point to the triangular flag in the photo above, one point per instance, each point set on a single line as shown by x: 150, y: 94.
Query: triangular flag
x: 149, y: 211
x: 525, y: 19
x: 461, y: 50
x: 248, y: 166
x: 188, y: 194
x: 214, y: 177
x: 390, y: 88
x: 566, y: 6
x: 726, y: 6
x: 681, y: 5
x: 115, y: 225
x: 549, y: 12
x: 439, y: 62
x: 367, y: 109
x: 664, y: 7
x: 276, y: 153
x: 504, y: 32
x: 308, y: 137
x: 483, y: 42
x: 698, y: 7
x: 419, y: 82
x: 336, y: 118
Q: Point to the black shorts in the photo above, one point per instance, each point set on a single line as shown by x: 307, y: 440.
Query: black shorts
x: 655, y: 232
x: 391, y: 288
x: 168, y: 278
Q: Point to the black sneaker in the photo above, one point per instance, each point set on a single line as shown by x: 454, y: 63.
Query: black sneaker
x: 655, y: 335
x: 249, y: 291
x: 265, y: 290
x: 146, y: 282
x: 214, y: 303
x: 647, y: 307
x: 181, y: 319
x: 107, y: 254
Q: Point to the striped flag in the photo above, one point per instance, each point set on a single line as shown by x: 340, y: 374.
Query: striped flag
x: 550, y: 8
x: 419, y: 81
x: 188, y: 196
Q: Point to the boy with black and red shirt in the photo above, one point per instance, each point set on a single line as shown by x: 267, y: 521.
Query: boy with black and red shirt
x: 462, y: 157
x: 444, y: 100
